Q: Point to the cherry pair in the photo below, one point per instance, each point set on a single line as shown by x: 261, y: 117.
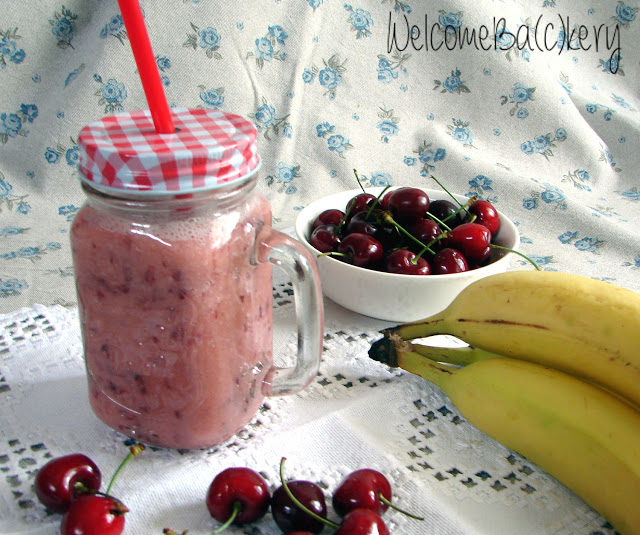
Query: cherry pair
x: 70, y: 485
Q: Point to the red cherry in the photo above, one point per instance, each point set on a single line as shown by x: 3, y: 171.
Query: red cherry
x: 94, y: 514
x: 486, y: 215
x: 359, y: 203
x: 362, y: 489
x: 55, y: 483
x: 472, y: 240
x: 361, y: 249
x: 332, y: 216
x: 289, y: 517
x: 448, y: 260
x: 425, y: 230
x: 362, y: 522
x: 405, y: 262
x: 409, y: 203
x: 238, y: 491
x: 325, y: 238
x: 384, y: 202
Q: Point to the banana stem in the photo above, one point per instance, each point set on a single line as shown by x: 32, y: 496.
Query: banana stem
x: 458, y: 356
x: 434, y: 372
x: 420, y: 329
x: 401, y: 356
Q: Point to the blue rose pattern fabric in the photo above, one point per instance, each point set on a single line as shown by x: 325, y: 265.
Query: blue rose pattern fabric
x: 533, y: 107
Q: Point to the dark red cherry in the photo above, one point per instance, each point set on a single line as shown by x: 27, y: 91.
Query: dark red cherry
x: 289, y: 517
x: 325, y: 238
x: 486, y: 215
x: 238, y: 491
x: 404, y: 261
x: 472, y: 240
x: 362, y: 489
x: 332, y: 216
x: 362, y: 250
x: 94, y: 514
x: 362, y: 224
x: 359, y: 203
x: 425, y: 230
x: 443, y: 210
x: 409, y: 203
x: 362, y: 522
x: 55, y: 483
x: 448, y: 260
x: 373, y: 225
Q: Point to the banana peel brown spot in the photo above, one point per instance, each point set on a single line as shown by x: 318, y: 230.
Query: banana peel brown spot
x: 503, y: 322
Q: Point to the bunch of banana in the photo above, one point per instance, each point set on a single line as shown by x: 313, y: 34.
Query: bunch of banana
x: 552, y: 371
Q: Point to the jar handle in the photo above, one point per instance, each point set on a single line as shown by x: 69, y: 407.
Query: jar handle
x: 298, y: 263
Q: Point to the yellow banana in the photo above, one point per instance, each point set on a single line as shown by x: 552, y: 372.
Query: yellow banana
x: 384, y: 350
x: 582, y: 326
x: 583, y: 436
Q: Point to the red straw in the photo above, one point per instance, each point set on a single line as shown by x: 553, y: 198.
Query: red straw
x: 146, y: 62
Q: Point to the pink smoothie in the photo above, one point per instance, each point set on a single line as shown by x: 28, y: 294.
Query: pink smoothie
x: 177, y: 325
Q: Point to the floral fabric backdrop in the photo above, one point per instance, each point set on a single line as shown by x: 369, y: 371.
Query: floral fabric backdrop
x: 533, y: 105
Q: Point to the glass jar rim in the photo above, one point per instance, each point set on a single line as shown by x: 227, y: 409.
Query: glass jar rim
x: 166, y: 194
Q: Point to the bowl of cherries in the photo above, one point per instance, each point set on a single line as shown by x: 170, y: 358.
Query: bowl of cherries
x: 401, y: 254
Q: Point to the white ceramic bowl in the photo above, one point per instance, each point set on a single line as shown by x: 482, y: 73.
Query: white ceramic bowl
x: 389, y: 296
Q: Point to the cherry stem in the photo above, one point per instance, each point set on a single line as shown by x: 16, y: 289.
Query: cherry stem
x: 451, y: 195
x: 134, y: 450
x: 377, y: 201
x: 299, y: 504
x: 395, y: 507
x: 444, y: 234
x: 358, y: 179
x: 237, y: 507
x: 80, y: 488
x: 494, y: 246
x: 349, y: 207
x: 466, y: 205
x: 440, y: 222
x: 118, y: 508
x: 389, y: 219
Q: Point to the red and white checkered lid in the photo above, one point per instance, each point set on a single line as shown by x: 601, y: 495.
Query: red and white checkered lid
x: 210, y: 148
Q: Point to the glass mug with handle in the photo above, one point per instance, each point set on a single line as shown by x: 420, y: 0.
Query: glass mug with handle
x: 172, y: 254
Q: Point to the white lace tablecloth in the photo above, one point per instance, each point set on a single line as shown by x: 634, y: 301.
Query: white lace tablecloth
x: 357, y: 413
